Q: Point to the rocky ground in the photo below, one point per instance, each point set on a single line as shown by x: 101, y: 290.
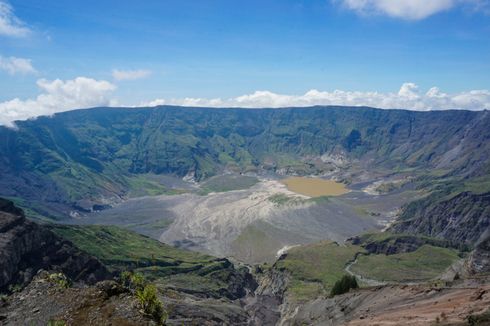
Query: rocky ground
x: 45, y: 300
x: 397, y: 305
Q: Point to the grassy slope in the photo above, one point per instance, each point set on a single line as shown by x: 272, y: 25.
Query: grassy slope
x: 423, y: 264
x: 254, y: 242
x: 227, y: 182
x: 316, y: 267
x: 120, y: 249
x: 393, y: 239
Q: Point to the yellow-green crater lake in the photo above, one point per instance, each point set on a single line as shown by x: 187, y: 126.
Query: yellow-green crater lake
x: 315, y: 187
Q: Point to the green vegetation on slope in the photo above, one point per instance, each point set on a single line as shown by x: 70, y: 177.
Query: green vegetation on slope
x: 344, y: 285
x: 146, y: 185
x: 167, y: 266
x: 227, y: 182
x: 388, y: 242
x: 316, y: 267
x: 423, y: 264
x: 255, y: 243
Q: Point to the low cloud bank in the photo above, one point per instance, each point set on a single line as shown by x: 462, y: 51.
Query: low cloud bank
x: 408, y: 97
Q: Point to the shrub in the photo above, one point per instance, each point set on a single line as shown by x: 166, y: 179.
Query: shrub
x: 15, y: 288
x: 150, y: 303
x: 146, y: 294
x: 132, y: 281
x: 137, y: 281
x: 126, y: 278
x: 60, y: 279
x: 343, y: 285
x: 56, y: 323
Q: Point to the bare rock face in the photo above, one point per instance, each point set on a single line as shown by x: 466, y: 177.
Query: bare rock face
x: 479, y: 260
x: 26, y: 247
x: 462, y: 219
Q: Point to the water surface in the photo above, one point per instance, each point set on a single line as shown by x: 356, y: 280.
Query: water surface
x: 315, y: 187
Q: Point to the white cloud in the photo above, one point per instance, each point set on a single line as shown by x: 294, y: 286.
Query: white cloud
x: 408, y: 9
x: 10, y: 25
x: 408, y: 97
x: 14, y: 65
x: 130, y: 74
x: 57, y: 96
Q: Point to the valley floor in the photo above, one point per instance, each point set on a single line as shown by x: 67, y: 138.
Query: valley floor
x: 253, y: 224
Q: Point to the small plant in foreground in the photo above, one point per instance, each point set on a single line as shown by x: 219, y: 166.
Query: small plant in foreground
x: 15, y: 288
x: 60, y: 279
x: 343, y: 285
x: 146, y: 294
x: 150, y: 303
x: 132, y: 281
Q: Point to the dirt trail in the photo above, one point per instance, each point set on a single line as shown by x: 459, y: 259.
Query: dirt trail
x: 365, y: 280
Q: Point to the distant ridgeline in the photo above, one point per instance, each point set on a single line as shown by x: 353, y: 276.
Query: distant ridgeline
x: 54, y: 163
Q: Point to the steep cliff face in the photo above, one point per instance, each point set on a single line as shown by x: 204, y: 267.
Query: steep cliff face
x: 461, y: 219
x: 26, y: 247
x: 266, y: 305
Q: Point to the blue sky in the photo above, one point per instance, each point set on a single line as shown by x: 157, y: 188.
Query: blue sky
x: 225, y: 49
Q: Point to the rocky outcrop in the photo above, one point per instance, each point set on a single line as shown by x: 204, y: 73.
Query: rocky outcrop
x: 26, y: 247
x: 479, y: 260
x: 462, y: 219
x: 393, y: 244
x: 266, y: 305
x: 44, y: 302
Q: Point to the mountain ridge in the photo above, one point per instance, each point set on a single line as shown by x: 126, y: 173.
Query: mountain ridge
x: 78, y: 159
